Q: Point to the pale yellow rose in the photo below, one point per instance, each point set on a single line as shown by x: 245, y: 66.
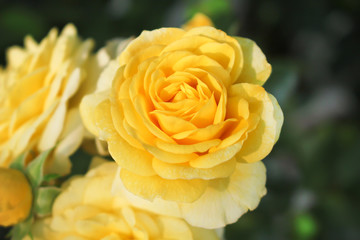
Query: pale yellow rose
x: 15, y: 197
x: 187, y: 120
x: 40, y: 91
x: 86, y: 209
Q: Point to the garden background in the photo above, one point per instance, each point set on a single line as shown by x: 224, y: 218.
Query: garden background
x: 313, y: 173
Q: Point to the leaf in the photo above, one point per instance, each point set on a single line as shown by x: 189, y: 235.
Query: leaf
x: 19, y: 162
x: 22, y: 229
x: 35, y: 169
x: 50, y: 176
x: 45, y: 199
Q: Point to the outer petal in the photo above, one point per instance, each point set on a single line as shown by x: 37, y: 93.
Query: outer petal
x: 256, y: 69
x: 162, y: 36
x: 70, y: 140
x: 87, y: 108
x: 261, y: 141
x: 200, y: 234
x: 225, y: 201
x: 278, y: 115
x: 174, y: 228
x: 154, y: 186
x: 157, y: 205
x: 127, y: 156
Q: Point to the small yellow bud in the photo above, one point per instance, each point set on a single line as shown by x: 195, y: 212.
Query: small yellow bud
x: 15, y: 197
x: 199, y: 20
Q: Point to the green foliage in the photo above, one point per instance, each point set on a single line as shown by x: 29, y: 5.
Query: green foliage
x: 50, y: 177
x: 19, y: 162
x: 20, y: 230
x: 45, y: 199
x: 35, y: 170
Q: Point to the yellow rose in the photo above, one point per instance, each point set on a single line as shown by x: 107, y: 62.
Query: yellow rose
x: 40, y: 91
x: 187, y: 120
x: 86, y: 209
x: 15, y: 197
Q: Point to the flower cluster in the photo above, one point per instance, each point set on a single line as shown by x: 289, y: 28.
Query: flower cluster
x: 181, y: 111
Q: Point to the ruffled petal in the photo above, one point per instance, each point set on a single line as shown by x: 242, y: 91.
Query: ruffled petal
x: 256, y: 69
x: 226, y: 200
x: 154, y: 186
x: 261, y: 140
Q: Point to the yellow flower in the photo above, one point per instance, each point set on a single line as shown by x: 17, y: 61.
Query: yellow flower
x: 15, y: 197
x: 40, y: 91
x: 198, y: 20
x: 187, y: 120
x: 86, y: 209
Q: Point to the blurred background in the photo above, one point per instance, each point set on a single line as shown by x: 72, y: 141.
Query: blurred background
x: 314, y: 48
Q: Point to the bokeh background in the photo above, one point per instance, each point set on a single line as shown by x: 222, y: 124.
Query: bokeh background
x: 314, y: 47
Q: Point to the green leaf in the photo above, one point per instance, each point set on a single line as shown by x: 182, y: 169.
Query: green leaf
x: 45, y: 200
x: 35, y: 169
x: 20, y: 230
x: 51, y: 176
x: 19, y: 162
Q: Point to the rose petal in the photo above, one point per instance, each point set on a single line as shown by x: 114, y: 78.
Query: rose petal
x: 187, y: 43
x: 27, y: 86
x: 160, y: 36
x: 205, y: 116
x: 227, y: 200
x: 215, y: 158
x: 124, y: 154
x: 183, y: 149
x: 71, y: 138
x: 261, y: 140
x: 175, y: 229
x: 133, y: 63
x: 87, y: 108
x: 256, y: 69
x: 152, y: 187
x: 171, y: 125
x: 185, y: 171
x: 222, y: 37
x: 169, y: 157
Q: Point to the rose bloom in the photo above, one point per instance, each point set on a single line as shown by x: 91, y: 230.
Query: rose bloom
x: 186, y: 118
x: 40, y: 91
x: 86, y: 209
x: 15, y: 197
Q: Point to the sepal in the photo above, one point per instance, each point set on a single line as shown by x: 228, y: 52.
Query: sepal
x: 45, y: 199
